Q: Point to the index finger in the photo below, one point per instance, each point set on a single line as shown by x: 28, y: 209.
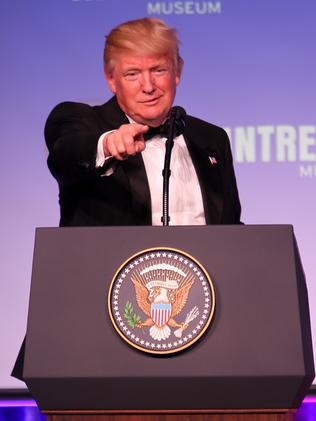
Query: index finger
x: 140, y: 128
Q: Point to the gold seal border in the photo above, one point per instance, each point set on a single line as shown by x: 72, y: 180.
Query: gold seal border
x: 211, y: 315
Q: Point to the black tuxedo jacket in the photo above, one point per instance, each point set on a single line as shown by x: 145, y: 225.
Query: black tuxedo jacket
x: 89, y: 199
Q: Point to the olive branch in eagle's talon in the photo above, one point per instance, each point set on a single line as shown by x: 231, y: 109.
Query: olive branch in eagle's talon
x: 132, y: 318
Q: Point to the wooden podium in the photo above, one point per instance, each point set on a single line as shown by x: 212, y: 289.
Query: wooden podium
x: 254, y: 362
x: 260, y: 415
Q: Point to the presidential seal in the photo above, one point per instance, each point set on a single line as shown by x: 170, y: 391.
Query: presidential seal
x: 161, y: 300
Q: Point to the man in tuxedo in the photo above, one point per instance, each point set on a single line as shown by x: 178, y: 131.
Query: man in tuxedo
x: 109, y: 174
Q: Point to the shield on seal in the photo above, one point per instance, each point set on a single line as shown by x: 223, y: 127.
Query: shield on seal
x: 160, y: 313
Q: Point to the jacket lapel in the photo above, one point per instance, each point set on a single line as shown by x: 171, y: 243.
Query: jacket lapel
x: 208, y: 172
x: 111, y: 114
x: 139, y: 187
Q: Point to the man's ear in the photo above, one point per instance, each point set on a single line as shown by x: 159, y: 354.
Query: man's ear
x: 179, y: 70
x: 110, y: 80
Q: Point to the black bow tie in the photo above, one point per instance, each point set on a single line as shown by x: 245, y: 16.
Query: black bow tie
x: 163, y: 130
x: 156, y: 131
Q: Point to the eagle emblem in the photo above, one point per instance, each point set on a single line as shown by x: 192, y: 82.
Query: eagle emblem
x: 161, y: 300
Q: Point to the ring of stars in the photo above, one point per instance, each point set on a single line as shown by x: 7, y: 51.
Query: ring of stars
x: 192, y: 331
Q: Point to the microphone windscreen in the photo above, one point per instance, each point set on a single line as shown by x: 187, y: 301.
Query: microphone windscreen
x: 178, y: 113
x: 179, y: 116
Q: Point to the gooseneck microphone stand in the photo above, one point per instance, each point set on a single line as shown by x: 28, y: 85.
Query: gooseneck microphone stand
x: 176, y: 125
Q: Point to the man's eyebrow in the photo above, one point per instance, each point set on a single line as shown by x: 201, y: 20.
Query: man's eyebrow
x: 156, y: 66
x: 131, y: 68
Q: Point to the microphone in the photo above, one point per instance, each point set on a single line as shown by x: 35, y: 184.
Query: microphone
x: 175, y: 126
x: 179, y: 114
x: 176, y: 119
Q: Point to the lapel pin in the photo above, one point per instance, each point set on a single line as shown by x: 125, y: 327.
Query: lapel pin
x: 212, y: 160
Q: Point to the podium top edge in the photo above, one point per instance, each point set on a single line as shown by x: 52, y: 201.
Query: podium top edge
x: 135, y: 227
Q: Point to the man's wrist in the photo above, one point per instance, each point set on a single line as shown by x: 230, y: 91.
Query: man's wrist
x: 101, y: 153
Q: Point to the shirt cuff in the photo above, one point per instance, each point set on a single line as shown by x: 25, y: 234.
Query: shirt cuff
x: 100, y: 158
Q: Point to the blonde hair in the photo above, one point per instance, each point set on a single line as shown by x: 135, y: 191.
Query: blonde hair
x: 144, y: 36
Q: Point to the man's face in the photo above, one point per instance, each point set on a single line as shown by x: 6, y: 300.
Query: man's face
x: 145, y: 86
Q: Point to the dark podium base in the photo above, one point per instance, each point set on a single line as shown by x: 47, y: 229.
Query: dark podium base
x: 214, y: 415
